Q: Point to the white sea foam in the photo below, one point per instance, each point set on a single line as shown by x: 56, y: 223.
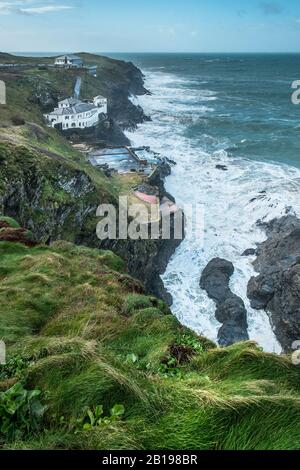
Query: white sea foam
x: 233, y: 200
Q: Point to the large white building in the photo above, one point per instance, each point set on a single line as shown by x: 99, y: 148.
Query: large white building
x: 76, y: 114
x: 69, y: 61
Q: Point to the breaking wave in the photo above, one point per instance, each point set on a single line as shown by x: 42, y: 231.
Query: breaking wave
x: 233, y: 200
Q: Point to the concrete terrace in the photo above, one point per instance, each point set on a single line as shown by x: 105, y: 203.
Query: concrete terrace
x: 125, y: 159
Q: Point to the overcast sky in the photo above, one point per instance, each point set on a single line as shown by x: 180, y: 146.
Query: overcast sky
x: 150, y: 25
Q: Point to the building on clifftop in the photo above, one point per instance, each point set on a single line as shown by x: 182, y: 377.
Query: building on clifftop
x: 69, y: 61
x: 73, y: 113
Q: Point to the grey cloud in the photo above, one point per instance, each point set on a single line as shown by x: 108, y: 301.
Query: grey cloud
x: 271, y: 8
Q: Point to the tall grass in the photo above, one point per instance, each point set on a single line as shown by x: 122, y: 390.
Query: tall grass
x: 85, y: 339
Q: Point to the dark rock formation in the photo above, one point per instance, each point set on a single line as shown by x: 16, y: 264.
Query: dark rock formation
x: 222, y: 167
x: 215, y: 279
x: 107, y: 131
x: 249, y: 252
x: 230, y: 308
x: 148, y: 259
x: 277, y: 288
x: 122, y: 109
x: 157, y: 178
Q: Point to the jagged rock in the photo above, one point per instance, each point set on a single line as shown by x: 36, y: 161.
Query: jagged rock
x: 147, y: 189
x: 249, y: 252
x: 230, y: 309
x: 157, y: 178
x: 107, y: 131
x: 277, y: 288
x: 231, y: 333
x: 215, y: 279
x: 222, y: 167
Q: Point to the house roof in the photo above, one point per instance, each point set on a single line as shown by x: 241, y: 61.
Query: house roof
x: 70, y: 101
x: 69, y: 56
x: 83, y: 107
x: 100, y: 97
x: 77, y: 109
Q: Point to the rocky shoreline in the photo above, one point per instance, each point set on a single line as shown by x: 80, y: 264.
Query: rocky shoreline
x: 277, y: 287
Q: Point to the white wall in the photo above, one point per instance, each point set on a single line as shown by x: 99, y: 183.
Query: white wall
x: 77, y: 121
x: 101, y: 102
x: 80, y: 120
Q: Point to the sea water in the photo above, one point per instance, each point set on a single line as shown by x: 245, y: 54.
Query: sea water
x: 232, y: 110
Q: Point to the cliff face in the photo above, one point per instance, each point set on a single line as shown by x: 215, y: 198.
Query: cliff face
x: 49, y: 195
x: 57, y: 199
x: 277, y: 287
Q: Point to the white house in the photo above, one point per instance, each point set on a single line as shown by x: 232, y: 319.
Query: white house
x: 100, y: 102
x: 72, y: 113
x: 71, y: 61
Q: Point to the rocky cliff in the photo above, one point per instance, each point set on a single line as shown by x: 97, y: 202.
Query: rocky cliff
x: 230, y: 311
x: 57, y: 198
x: 277, y: 287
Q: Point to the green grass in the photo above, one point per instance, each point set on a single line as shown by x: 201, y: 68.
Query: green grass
x: 85, y: 334
x: 8, y: 220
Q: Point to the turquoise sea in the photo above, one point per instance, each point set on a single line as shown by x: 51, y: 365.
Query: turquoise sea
x: 233, y: 110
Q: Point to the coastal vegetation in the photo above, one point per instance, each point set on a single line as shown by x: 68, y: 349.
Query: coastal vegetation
x: 95, y: 363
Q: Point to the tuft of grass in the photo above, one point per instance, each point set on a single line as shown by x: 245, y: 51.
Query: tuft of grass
x: 10, y: 221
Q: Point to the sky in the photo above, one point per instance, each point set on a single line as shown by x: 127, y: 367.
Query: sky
x: 149, y: 26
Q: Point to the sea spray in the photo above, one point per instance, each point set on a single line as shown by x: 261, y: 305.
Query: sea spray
x: 234, y: 200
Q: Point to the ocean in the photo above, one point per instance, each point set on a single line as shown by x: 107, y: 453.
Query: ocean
x: 233, y: 110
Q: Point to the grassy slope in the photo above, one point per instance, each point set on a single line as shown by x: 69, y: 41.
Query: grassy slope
x: 77, y: 318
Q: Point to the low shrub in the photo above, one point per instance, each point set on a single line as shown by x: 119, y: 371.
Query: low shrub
x: 21, y: 412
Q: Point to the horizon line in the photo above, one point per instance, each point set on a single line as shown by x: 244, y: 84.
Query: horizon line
x: 151, y: 52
